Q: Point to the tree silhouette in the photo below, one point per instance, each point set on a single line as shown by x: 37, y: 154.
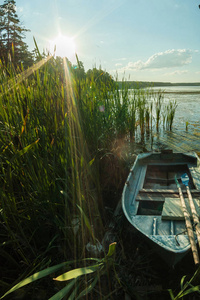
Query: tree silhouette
x: 12, y: 33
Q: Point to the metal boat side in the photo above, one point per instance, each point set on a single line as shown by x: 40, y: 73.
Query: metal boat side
x: 142, y: 190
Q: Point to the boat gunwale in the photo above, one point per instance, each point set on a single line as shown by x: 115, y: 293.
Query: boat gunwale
x: 138, y: 160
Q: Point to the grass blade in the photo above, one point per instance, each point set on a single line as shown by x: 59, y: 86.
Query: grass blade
x: 171, y: 294
x: 62, y: 293
x: 86, y: 220
x: 78, y: 272
x: 111, y: 250
x: 35, y: 277
x: 88, y: 289
x: 191, y: 290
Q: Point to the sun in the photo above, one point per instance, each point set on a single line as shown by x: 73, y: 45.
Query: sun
x: 63, y: 46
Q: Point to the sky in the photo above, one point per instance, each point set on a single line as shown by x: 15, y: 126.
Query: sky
x: 139, y: 40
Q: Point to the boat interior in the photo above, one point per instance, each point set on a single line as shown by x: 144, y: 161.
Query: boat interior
x: 163, y: 176
x: 159, y: 185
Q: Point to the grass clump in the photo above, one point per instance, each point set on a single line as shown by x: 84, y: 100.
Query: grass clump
x: 61, y: 131
x: 45, y: 171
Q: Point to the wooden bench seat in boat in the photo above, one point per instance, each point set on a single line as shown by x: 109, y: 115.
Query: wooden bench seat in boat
x: 172, y: 209
x: 160, y: 195
x: 168, y: 191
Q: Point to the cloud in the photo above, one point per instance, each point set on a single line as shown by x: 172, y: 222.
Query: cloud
x: 168, y: 59
x: 118, y: 64
x: 177, y: 72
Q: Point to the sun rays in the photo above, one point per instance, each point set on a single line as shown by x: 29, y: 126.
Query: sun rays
x: 63, y: 46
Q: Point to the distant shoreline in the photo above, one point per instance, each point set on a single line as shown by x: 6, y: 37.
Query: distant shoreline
x: 145, y: 84
x: 181, y: 92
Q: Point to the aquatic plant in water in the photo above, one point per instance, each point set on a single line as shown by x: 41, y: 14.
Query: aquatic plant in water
x: 158, y: 106
x: 170, y: 111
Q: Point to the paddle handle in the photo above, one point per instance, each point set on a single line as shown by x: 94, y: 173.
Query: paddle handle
x: 189, y: 228
x: 194, y: 214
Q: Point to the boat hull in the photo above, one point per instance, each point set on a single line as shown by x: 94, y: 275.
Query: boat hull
x: 149, y: 188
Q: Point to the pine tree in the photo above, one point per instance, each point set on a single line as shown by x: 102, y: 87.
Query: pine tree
x: 12, y: 34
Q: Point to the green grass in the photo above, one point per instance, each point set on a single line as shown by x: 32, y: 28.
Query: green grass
x: 64, y: 140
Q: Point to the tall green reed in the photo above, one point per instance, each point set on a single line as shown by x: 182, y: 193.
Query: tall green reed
x: 60, y: 133
x: 171, y: 109
x: 158, y: 107
x: 45, y: 168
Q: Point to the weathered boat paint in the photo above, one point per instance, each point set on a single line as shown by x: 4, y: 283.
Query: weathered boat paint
x: 149, y: 182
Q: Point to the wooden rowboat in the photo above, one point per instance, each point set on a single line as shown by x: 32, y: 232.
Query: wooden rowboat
x: 152, y: 204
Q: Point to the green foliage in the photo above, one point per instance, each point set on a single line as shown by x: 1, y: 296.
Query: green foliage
x: 171, y: 109
x: 159, y: 101
x: 12, y: 46
x: 186, y: 125
x: 58, y: 127
x: 35, y: 277
x: 98, y: 269
x: 187, y: 287
x: 151, y: 84
x: 101, y: 78
x: 45, y: 170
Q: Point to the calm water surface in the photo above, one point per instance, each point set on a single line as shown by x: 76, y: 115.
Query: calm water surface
x: 188, y: 110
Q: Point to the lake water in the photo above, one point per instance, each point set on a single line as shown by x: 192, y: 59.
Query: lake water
x: 187, y: 111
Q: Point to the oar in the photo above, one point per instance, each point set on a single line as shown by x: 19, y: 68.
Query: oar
x: 188, y: 225
x: 185, y: 181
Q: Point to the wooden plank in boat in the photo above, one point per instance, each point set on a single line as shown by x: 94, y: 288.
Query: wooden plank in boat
x: 172, y: 209
x: 167, y: 191
x: 155, y: 196
x: 160, y: 180
x: 149, y: 198
x: 159, y: 191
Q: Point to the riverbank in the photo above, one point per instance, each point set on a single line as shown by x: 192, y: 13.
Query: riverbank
x: 67, y: 143
x: 150, y: 84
